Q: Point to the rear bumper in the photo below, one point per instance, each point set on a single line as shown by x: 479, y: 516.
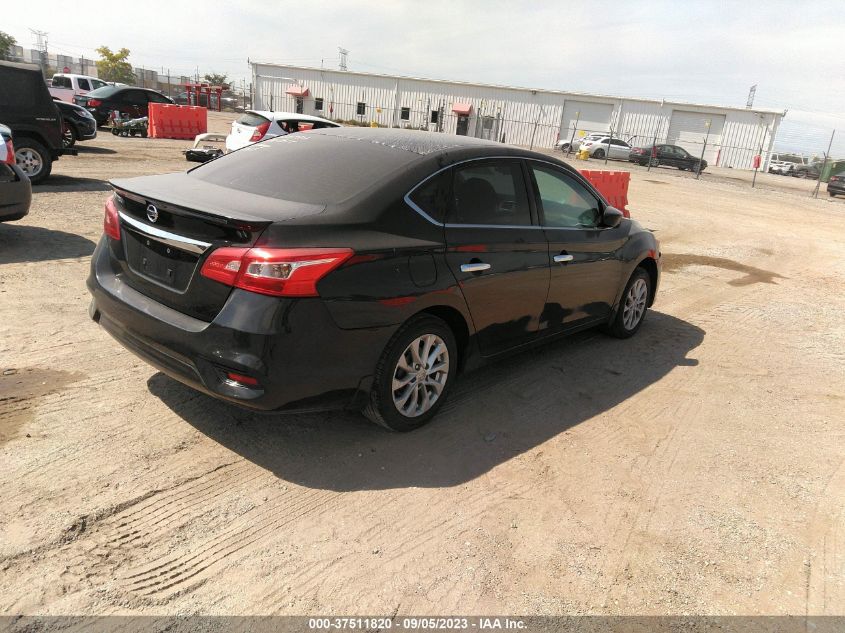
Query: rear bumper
x: 15, y: 196
x: 301, y: 359
x: 836, y: 187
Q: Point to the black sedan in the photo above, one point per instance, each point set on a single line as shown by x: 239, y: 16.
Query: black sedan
x: 836, y: 184
x: 362, y: 268
x: 15, y: 188
x: 669, y: 155
x: 77, y: 123
x: 129, y: 101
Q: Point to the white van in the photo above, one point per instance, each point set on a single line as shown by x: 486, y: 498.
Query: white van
x: 65, y: 86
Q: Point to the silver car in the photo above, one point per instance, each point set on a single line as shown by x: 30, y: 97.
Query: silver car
x: 606, y: 146
x: 574, y: 144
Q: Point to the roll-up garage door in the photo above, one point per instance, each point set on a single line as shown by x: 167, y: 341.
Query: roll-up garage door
x: 584, y: 116
x: 688, y: 129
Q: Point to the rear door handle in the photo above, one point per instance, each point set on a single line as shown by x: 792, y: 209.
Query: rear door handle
x: 563, y: 258
x: 474, y: 267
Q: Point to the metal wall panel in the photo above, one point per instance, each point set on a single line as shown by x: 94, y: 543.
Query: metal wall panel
x: 518, y: 116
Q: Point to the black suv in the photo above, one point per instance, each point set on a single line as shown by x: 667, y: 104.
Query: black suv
x: 28, y: 109
x: 129, y: 101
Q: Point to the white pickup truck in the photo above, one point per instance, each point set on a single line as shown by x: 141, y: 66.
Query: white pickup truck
x: 65, y: 86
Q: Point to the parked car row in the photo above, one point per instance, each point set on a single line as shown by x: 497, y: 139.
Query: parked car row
x: 599, y: 145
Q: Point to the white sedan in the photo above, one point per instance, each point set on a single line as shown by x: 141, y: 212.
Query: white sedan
x: 257, y: 125
x: 606, y: 146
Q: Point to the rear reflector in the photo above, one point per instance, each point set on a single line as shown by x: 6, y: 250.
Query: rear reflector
x: 240, y: 378
x: 111, y: 221
x: 280, y: 272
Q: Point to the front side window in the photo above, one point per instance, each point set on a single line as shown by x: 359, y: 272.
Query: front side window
x: 83, y: 84
x: 489, y: 192
x: 564, y: 202
x: 157, y: 98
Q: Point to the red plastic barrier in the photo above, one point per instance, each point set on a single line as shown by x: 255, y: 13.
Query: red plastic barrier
x: 613, y: 185
x: 167, y: 120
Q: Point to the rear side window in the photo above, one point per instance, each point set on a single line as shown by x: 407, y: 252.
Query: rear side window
x: 489, y: 192
x: 432, y: 196
x: 251, y: 119
x: 157, y: 98
x: 61, y: 82
x: 564, y: 202
x: 23, y: 88
x: 105, y: 92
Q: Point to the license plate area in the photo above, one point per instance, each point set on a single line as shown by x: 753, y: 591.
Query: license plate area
x: 158, y: 262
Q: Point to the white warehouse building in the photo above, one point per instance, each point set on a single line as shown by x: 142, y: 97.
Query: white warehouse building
x: 728, y: 136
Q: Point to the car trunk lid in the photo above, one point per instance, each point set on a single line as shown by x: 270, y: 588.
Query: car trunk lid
x: 170, y: 224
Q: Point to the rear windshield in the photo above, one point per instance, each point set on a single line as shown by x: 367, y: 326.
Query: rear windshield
x: 22, y: 88
x: 103, y: 93
x: 309, y: 167
x: 253, y: 120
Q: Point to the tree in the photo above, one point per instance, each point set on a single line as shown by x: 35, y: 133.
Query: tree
x: 114, y: 67
x: 6, y: 44
x: 216, y: 79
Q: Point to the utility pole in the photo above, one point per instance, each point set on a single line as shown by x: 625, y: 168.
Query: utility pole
x: 41, y: 47
x: 343, y: 54
x: 824, y: 164
x: 703, y: 149
x: 574, y: 127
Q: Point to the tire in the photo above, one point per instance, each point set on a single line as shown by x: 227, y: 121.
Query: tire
x: 69, y: 135
x: 33, y: 158
x: 599, y: 153
x: 564, y: 148
x: 115, y: 131
x: 621, y: 326
x: 832, y: 194
x: 384, y: 404
x: 143, y: 133
x: 654, y: 162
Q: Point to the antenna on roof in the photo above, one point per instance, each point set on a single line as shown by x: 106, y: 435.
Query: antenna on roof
x: 343, y: 53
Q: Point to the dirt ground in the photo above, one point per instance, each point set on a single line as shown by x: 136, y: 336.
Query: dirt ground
x: 696, y: 468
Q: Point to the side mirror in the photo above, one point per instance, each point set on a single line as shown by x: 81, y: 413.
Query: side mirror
x: 611, y: 217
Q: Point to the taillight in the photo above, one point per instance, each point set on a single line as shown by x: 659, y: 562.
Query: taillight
x: 94, y: 103
x: 10, y: 153
x: 281, y: 272
x: 260, y: 131
x: 637, y: 150
x: 111, y: 221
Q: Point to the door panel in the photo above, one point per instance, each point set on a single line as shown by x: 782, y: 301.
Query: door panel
x: 584, y: 258
x: 499, y: 258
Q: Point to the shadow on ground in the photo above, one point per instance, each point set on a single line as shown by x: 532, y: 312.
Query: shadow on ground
x: 59, y: 182
x: 493, y: 415
x: 22, y: 243
x: 90, y: 149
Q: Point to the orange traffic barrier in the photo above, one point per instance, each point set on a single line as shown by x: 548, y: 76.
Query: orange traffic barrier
x: 167, y: 120
x: 613, y: 185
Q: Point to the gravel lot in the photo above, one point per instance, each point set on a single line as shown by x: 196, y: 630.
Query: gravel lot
x: 697, y: 468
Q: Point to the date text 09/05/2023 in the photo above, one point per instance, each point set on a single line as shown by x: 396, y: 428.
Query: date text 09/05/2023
x: 418, y: 623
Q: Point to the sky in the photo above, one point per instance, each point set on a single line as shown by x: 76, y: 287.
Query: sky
x: 699, y: 51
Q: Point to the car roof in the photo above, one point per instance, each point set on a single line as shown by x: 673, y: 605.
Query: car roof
x: 77, y: 76
x: 285, y: 116
x: 415, y: 141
